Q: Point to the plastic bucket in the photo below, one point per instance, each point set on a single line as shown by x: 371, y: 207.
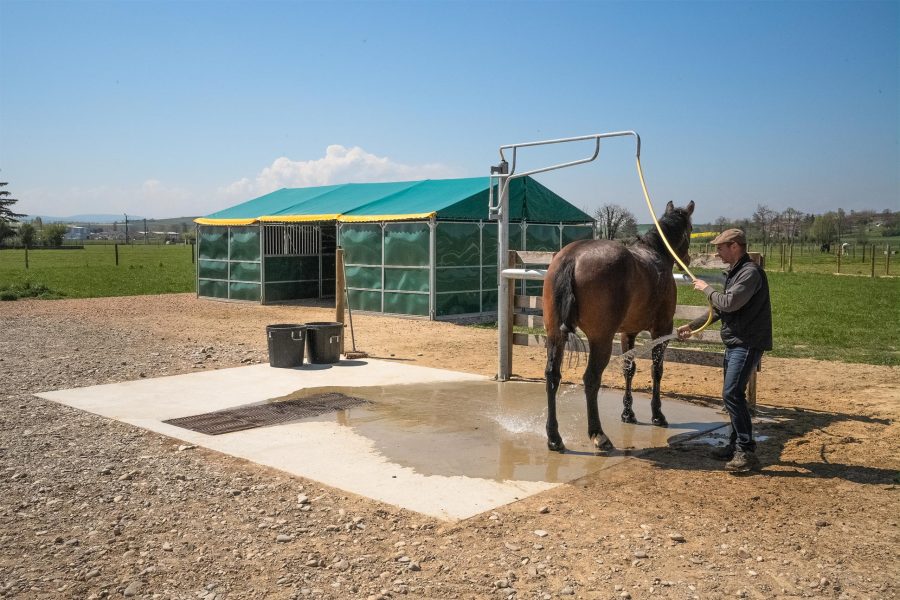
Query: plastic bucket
x: 286, y: 344
x: 324, y: 342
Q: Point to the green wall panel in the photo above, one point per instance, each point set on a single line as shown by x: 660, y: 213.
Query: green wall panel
x: 292, y: 290
x: 244, y: 243
x: 406, y: 244
x: 410, y: 280
x: 452, y: 279
x: 489, y: 301
x: 361, y: 244
x: 364, y: 277
x: 458, y: 303
x: 244, y: 291
x: 289, y: 268
x: 458, y: 244
x: 515, y: 237
x: 542, y: 238
x: 571, y: 233
x: 213, y: 289
x: 245, y: 272
x: 213, y: 243
x: 213, y: 269
x: 489, y: 278
x: 362, y: 300
x: 489, y: 244
x: 406, y: 304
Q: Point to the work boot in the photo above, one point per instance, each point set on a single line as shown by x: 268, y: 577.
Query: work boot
x: 743, y: 462
x: 722, y: 452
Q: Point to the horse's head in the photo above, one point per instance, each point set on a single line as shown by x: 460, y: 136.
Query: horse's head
x: 676, y: 224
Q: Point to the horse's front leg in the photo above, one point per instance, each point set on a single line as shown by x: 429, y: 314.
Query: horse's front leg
x: 628, y: 369
x: 597, y: 361
x: 659, y: 353
x: 555, y: 348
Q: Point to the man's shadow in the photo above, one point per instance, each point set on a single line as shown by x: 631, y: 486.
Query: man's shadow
x: 782, y: 427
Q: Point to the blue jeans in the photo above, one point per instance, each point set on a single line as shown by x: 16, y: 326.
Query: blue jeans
x: 739, y: 365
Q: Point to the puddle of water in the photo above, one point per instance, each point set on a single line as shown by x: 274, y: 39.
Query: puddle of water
x: 488, y: 429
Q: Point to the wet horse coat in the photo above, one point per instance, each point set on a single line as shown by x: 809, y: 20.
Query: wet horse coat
x: 604, y: 288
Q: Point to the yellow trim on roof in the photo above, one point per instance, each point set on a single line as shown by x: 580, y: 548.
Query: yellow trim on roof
x: 370, y: 218
x: 205, y: 221
x: 298, y: 218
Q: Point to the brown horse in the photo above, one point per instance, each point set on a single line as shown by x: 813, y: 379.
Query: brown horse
x: 603, y: 288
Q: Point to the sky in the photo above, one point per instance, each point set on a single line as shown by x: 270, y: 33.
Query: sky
x: 166, y: 109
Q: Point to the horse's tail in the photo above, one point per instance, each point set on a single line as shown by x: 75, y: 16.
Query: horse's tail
x: 564, y: 296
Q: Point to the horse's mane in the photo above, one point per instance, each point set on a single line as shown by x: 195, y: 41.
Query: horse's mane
x: 673, y: 223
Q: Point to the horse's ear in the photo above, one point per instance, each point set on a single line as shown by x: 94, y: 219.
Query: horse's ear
x: 670, y: 207
x: 690, y: 207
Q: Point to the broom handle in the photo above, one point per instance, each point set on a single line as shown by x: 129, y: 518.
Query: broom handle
x: 349, y: 310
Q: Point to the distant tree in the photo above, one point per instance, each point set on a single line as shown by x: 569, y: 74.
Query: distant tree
x: 38, y: 223
x: 615, y: 221
x: 763, y: 219
x: 6, y: 213
x: 54, y: 233
x: 824, y: 228
x: 6, y: 232
x: 721, y: 224
x: 27, y: 234
x: 789, y: 222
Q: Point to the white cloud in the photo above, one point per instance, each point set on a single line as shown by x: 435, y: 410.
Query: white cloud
x: 339, y: 165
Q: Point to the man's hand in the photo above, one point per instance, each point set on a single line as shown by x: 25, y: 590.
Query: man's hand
x: 700, y: 285
x: 684, y: 332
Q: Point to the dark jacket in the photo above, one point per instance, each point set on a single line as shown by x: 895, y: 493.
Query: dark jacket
x: 744, y: 306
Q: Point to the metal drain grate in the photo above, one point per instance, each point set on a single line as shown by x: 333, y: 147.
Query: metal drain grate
x: 263, y: 415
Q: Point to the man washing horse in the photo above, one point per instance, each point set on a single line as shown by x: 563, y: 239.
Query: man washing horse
x: 746, y: 313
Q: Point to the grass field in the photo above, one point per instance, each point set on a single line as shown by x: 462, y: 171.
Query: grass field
x: 808, y: 259
x: 92, y: 271
x: 816, y: 315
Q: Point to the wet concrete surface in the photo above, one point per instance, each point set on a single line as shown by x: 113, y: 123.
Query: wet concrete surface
x: 494, y: 430
x: 442, y: 443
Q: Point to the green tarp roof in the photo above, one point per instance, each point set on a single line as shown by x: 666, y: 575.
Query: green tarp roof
x: 444, y: 199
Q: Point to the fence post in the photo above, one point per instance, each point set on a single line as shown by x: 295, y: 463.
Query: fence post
x: 791, y: 259
x: 873, y: 261
x: 887, y: 259
x: 117, y: 254
x: 26, y: 256
x: 839, y: 261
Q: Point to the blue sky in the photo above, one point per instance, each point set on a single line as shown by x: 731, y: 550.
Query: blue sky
x: 166, y: 109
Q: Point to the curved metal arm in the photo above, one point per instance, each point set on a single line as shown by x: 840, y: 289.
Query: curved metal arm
x: 596, y: 136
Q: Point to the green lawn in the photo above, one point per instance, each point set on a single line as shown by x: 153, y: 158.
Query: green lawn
x: 92, y: 271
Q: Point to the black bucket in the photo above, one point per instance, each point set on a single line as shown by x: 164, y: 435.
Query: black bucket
x: 286, y: 343
x: 324, y: 342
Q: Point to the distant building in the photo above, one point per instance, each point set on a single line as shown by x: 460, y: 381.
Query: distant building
x: 77, y: 233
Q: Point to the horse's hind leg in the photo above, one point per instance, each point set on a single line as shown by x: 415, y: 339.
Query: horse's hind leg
x: 555, y: 349
x: 597, y: 361
x: 628, y: 369
x: 659, y: 353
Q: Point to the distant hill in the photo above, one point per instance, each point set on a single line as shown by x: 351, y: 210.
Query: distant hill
x: 100, y: 219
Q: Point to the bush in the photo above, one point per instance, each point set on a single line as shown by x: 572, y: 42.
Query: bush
x: 27, y: 289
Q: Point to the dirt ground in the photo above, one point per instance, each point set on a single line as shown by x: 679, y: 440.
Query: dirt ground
x: 92, y: 508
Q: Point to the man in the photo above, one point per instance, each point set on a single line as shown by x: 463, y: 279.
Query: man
x: 746, y: 313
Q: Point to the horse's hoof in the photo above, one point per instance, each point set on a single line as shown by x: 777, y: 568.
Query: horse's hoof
x: 628, y: 417
x: 660, y: 421
x: 602, y: 442
x: 556, y: 446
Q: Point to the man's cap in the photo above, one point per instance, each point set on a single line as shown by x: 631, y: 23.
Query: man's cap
x: 731, y: 235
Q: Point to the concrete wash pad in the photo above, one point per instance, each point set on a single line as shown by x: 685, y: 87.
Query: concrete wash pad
x: 447, y: 444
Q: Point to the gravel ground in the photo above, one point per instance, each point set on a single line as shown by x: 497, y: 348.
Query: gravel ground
x: 92, y: 508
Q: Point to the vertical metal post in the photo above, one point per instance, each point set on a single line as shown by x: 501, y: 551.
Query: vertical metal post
x: 432, y: 267
x: 262, y: 263
x: 382, y: 266
x: 505, y: 369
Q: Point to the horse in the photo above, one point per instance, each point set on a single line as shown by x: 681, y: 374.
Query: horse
x: 604, y: 287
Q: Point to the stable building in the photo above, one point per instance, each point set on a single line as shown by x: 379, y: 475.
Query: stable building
x: 418, y: 248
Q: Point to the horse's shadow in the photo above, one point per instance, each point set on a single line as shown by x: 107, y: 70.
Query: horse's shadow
x: 783, y: 429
